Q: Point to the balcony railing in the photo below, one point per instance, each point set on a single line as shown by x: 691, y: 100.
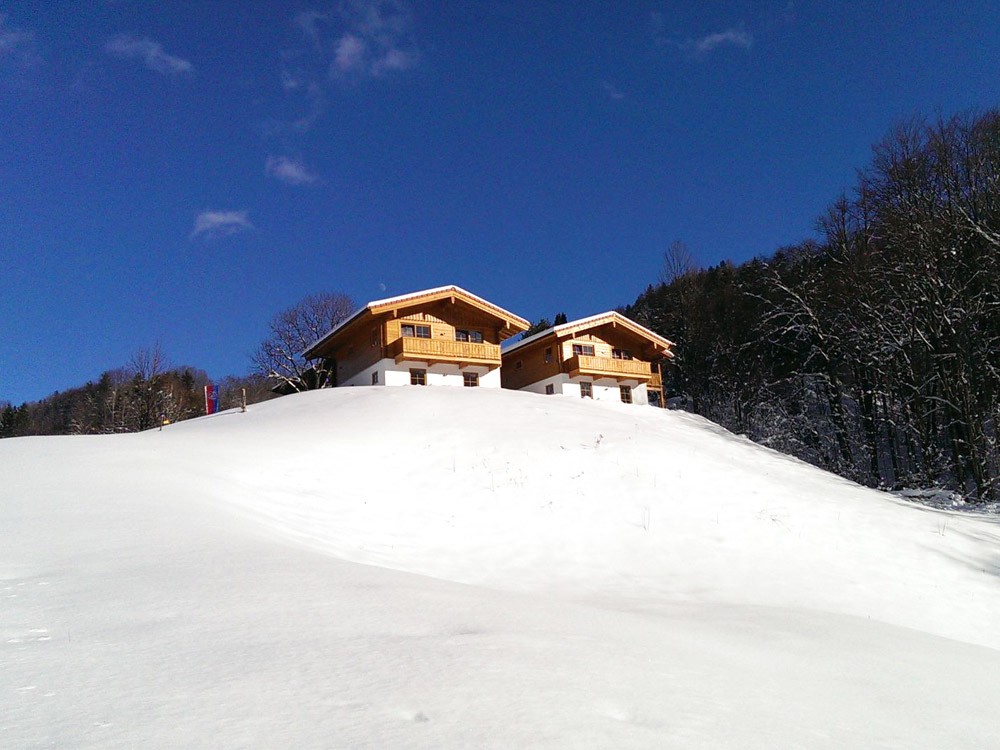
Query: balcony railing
x: 607, y: 367
x: 440, y: 350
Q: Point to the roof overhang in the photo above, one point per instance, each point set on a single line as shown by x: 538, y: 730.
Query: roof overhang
x: 612, y: 318
x: 512, y: 324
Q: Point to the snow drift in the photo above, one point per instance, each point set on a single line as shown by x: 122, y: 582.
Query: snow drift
x: 591, y: 575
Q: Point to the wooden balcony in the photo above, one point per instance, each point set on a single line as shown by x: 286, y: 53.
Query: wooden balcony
x: 606, y: 367
x: 440, y: 350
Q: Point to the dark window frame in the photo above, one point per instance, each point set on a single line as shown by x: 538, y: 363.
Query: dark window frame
x: 471, y: 335
x: 416, y: 330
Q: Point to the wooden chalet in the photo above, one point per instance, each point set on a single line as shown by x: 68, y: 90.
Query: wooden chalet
x: 605, y: 356
x: 442, y: 336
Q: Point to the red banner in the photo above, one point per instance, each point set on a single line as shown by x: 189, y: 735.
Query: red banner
x: 211, y: 399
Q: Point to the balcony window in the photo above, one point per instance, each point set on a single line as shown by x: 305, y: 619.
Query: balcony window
x: 418, y: 377
x: 626, y: 391
x: 586, y: 389
x: 548, y: 355
x: 465, y: 334
x: 587, y: 350
x: 415, y: 331
x: 621, y: 354
x: 471, y: 379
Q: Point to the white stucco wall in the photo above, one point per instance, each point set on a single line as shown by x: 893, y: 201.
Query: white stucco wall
x: 390, y: 373
x: 604, y: 389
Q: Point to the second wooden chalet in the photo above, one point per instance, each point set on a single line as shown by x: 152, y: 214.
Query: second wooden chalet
x: 605, y: 356
x: 442, y: 336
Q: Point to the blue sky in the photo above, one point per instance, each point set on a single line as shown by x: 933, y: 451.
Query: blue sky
x: 176, y: 173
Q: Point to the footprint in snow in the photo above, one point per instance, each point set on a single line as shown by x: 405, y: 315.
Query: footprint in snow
x: 419, y: 717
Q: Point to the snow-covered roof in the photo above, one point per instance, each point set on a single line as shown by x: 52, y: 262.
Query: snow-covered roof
x: 389, y: 302
x: 591, y: 321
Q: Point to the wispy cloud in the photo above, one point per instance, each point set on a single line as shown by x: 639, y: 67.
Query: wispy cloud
x: 289, y: 170
x: 150, y: 52
x: 18, y: 53
x: 349, y: 53
x: 735, y: 36
x: 349, y: 42
x: 214, y: 224
x: 13, y: 40
x: 362, y: 38
x: 612, y: 91
x: 727, y: 38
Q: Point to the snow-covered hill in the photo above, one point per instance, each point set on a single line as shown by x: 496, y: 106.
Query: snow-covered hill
x: 589, y: 575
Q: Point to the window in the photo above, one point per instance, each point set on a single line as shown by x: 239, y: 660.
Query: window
x: 626, y: 393
x: 587, y: 350
x: 548, y: 355
x: 550, y: 389
x: 586, y: 389
x: 418, y: 377
x: 621, y: 354
x: 517, y: 365
x: 374, y: 336
x: 471, y: 379
x: 375, y: 378
x: 415, y: 331
x: 465, y: 334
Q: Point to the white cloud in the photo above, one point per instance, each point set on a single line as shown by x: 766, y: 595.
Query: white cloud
x: 291, y: 81
x: 215, y: 224
x: 289, y: 170
x: 18, y: 53
x: 362, y: 38
x: 150, y: 52
x: 393, y: 59
x: 309, y: 22
x: 612, y: 91
x: 13, y: 40
x: 729, y: 37
x: 349, y: 53
x: 350, y: 42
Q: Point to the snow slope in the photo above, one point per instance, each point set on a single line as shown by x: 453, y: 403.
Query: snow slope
x: 378, y: 567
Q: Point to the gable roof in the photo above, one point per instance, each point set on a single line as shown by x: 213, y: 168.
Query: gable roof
x: 582, y: 324
x: 427, y: 295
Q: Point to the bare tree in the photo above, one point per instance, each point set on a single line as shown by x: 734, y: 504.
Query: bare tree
x: 279, y: 357
x: 677, y: 262
x: 147, y: 367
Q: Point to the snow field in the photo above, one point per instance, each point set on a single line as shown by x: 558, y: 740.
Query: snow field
x: 603, y: 577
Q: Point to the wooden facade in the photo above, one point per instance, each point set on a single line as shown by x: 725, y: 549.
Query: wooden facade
x: 446, y: 330
x: 605, y: 351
